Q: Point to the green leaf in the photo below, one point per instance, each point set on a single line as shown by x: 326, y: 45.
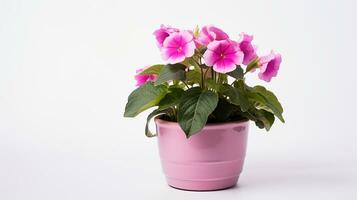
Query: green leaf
x: 155, y: 69
x: 259, y: 123
x: 237, y: 73
x: 154, y: 113
x: 171, y: 72
x: 236, y: 96
x: 266, y: 118
x: 262, y: 118
x: 213, y: 85
x: 269, y: 96
x: 222, y: 78
x: 171, y: 99
x: 224, y: 110
x: 193, y: 76
x: 265, y: 99
x: 194, y: 108
x: 191, y: 62
x: 143, y: 98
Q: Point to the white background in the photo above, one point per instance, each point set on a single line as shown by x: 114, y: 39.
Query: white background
x: 66, y: 69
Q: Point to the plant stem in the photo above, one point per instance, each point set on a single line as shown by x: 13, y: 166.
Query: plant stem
x: 212, y: 74
x: 215, y: 77
x: 173, y: 113
x: 205, y: 73
x: 200, y: 65
x: 185, y: 84
x: 196, y: 62
x: 202, y: 82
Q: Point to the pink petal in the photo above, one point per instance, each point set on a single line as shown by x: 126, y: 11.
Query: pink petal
x: 189, y: 49
x: 166, y: 52
x: 264, y: 77
x: 210, y: 57
x: 176, y: 58
x: 245, y: 37
x: 142, y: 79
x: 219, y: 34
x: 178, y: 46
x: 237, y: 57
x: 223, y: 55
x: 162, y: 33
x: 186, y: 36
x: 224, y: 66
x: 209, y: 34
x: 269, y: 66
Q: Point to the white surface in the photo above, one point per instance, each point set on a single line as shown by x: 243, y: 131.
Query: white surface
x: 66, y: 69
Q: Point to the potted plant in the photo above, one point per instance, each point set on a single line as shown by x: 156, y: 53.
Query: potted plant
x: 203, y: 104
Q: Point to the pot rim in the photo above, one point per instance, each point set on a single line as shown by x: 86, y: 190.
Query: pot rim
x: 165, y: 123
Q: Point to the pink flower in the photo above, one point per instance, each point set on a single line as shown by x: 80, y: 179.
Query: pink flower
x: 162, y: 33
x: 269, y: 66
x: 142, y: 79
x: 223, y: 55
x: 194, y: 38
x: 248, y: 49
x: 177, y: 47
x: 211, y: 33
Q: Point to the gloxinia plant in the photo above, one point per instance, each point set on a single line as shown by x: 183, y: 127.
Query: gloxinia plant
x: 203, y: 81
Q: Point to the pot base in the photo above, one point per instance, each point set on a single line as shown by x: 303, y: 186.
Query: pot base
x: 208, y: 185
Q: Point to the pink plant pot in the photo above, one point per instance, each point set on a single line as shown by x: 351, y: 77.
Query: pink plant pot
x: 209, y: 160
